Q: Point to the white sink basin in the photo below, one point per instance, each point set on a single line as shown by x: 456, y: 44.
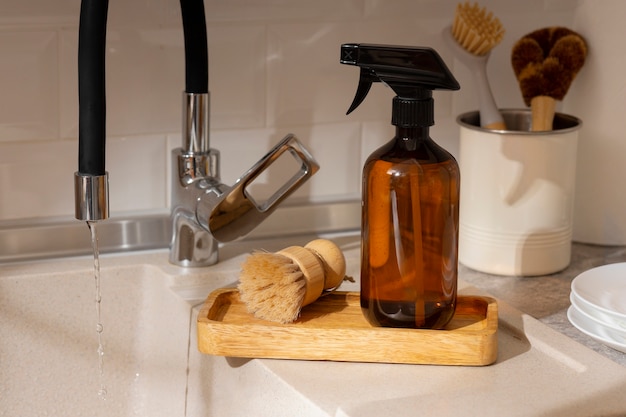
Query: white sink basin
x: 48, y: 344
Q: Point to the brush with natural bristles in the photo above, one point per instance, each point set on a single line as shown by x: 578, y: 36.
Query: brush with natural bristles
x: 545, y: 63
x: 472, y: 36
x: 275, y: 286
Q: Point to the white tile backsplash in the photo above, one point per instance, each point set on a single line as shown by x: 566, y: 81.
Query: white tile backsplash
x: 237, y: 74
x: 137, y: 173
x: 142, y: 66
x: 274, y: 69
x: 274, y: 10
x: 37, y: 179
x: 28, y: 85
x: 29, y: 13
x: 306, y: 84
x: 336, y: 148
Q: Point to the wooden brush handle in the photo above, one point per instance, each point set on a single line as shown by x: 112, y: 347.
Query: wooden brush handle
x: 312, y: 269
x: 332, y: 259
x: 542, y: 109
x: 496, y: 126
x: 322, y: 263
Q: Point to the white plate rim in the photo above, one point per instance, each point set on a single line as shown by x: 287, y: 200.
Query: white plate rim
x: 586, y: 310
x: 597, y: 274
x: 571, y: 316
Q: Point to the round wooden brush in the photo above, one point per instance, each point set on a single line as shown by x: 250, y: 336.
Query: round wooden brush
x: 472, y: 36
x: 545, y: 63
x: 275, y: 286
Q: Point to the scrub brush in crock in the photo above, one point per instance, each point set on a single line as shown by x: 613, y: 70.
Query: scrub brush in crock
x: 275, y: 286
x: 472, y: 36
x: 545, y: 63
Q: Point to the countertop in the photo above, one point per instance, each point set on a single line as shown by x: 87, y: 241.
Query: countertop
x: 546, y: 298
x: 540, y: 354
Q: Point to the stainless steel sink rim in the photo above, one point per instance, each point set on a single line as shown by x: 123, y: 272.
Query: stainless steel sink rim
x: 33, y: 239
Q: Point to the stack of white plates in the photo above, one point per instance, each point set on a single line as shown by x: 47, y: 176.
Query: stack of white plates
x: 598, y: 307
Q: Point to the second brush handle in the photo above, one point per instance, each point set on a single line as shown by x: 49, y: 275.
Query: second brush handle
x: 542, y: 109
x: 490, y: 117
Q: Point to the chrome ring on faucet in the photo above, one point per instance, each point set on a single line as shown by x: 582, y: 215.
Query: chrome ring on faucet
x: 91, y: 196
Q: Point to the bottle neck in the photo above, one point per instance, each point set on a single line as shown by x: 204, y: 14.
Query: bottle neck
x: 410, y: 138
x: 413, y: 133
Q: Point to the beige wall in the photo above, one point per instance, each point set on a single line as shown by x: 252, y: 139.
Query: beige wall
x: 273, y: 69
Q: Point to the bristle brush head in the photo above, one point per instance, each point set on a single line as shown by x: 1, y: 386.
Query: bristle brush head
x: 476, y: 29
x: 272, y: 286
x: 546, y: 62
x: 275, y: 286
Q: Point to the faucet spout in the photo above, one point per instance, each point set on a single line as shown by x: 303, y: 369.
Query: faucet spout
x: 91, y: 180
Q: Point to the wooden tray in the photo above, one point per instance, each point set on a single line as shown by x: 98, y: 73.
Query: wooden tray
x: 334, y: 328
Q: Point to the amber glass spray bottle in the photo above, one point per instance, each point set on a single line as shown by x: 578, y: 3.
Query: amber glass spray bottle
x: 410, y: 205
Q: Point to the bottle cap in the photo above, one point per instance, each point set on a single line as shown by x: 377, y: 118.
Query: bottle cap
x: 411, y: 72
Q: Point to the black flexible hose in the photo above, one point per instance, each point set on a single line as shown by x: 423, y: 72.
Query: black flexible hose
x: 91, y: 87
x: 196, y: 52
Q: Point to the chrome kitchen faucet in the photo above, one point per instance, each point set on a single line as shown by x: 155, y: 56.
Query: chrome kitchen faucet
x: 204, y: 210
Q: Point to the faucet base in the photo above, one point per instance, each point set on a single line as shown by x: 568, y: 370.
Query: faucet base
x: 191, y: 245
x: 192, y: 176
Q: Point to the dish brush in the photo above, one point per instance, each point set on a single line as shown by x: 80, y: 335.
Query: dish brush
x: 545, y: 63
x: 472, y: 36
x: 275, y: 286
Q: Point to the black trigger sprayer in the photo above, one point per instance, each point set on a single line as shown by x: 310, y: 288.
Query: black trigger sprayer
x: 410, y: 206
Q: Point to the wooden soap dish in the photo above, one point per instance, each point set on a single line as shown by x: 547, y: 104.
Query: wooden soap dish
x: 334, y: 328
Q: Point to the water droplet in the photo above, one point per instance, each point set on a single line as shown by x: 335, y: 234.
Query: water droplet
x: 102, y: 393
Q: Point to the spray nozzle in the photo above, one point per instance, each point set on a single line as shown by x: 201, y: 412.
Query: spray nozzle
x: 411, y: 72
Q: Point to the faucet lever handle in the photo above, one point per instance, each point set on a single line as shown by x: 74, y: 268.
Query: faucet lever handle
x: 237, y: 213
